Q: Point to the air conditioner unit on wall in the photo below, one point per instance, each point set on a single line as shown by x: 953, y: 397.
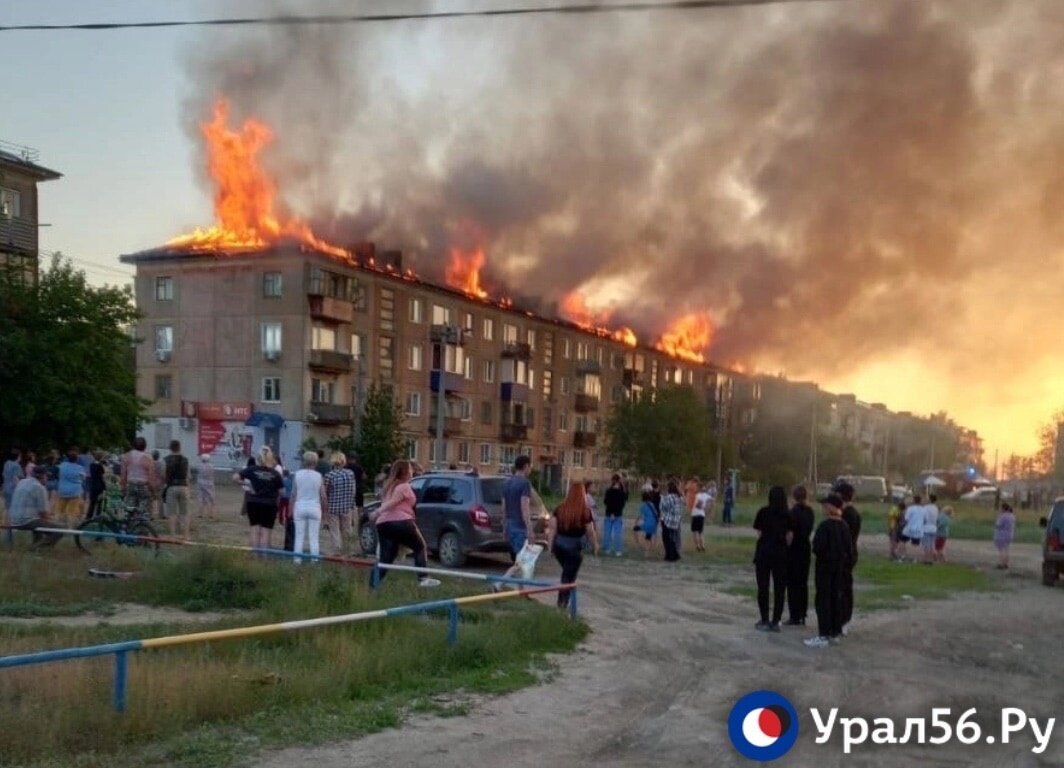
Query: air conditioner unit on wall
x: 162, y: 355
x: 187, y: 423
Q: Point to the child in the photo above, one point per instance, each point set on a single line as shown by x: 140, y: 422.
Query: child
x: 945, y: 522
x: 1004, y: 531
x: 648, y: 521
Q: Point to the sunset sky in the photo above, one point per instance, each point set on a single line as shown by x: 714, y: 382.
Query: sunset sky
x: 865, y: 194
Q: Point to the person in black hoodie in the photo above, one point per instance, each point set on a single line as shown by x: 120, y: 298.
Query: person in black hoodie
x: 833, y: 548
x: 774, y: 526
x: 852, y: 518
x: 798, y: 557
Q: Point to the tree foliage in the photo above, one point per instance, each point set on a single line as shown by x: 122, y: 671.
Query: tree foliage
x: 662, y: 433
x: 380, y: 440
x: 67, y: 375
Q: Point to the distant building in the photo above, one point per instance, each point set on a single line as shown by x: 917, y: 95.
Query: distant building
x: 19, y: 219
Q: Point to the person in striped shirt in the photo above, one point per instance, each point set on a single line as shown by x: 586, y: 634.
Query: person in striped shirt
x: 340, y: 494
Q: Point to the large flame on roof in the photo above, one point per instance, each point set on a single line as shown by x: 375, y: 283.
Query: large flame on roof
x: 575, y: 309
x: 245, y: 193
x: 688, y: 337
x: 463, y: 270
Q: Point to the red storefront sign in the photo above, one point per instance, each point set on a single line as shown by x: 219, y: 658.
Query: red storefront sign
x: 225, y: 411
x: 211, y: 434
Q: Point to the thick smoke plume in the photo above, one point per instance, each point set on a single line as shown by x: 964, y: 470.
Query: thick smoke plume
x: 833, y: 182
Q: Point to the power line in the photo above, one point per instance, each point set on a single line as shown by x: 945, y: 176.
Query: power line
x: 572, y: 9
x: 93, y: 266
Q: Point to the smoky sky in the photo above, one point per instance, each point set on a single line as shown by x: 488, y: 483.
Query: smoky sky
x: 832, y: 182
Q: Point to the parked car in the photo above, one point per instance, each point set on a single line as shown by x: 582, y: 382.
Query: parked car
x: 866, y: 487
x: 1053, y: 546
x: 985, y: 494
x: 458, y: 514
x: 899, y: 493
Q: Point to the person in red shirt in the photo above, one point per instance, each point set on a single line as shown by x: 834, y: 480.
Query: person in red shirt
x: 397, y: 525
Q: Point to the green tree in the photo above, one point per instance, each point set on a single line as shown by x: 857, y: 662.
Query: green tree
x: 661, y: 433
x: 66, y: 364
x: 380, y: 439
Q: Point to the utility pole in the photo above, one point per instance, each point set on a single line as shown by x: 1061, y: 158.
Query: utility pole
x: 811, y: 471
x: 449, y: 335
x: 360, y: 394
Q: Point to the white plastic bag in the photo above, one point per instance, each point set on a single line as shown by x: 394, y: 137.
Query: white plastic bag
x: 526, y: 559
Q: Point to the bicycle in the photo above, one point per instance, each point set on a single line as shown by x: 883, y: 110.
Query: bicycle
x: 130, y: 522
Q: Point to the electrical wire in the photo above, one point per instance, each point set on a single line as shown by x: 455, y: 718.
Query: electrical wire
x: 571, y: 9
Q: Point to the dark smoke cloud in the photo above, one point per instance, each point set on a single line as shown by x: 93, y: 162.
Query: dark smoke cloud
x: 834, y: 182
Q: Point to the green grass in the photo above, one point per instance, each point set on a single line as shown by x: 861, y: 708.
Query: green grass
x: 216, y: 704
x: 883, y: 584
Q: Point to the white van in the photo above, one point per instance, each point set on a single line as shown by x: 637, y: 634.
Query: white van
x: 867, y: 487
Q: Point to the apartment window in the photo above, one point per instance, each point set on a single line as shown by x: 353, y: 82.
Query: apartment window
x: 417, y: 311
x: 600, y: 355
x: 578, y: 458
x: 531, y: 377
x: 164, y: 338
x: 509, y: 334
x: 486, y: 453
x: 413, y: 404
x: 448, y: 357
x: 566, y: 349
x: 386, y: 357
x: 10, y: 203
x: 467, y: 368
x: 562, y: 456
x: 580, y: 423
x: 531, y: 336
x: 441, y: 315
x: 508, y: 455
x: 323, y: 337
x: 463, y: 453
x: 271, y: 285
x: 358, y: 296
x: 616, y: 393
x: 548, y: 384
x: 358, y: 345
x: 271, y: 389
x: 689, y: 377
x: 485, y: 413
x: 489, y: 371
x: 465, y: 409
x: 563, y: 385
x: 581, y: 350
x: 434, y: 451
x: 548, y: 348
x: 416, y: 357
x: 271, y: 337
x: 387, y: 309
x: 590, y: 385
x: 616, y: 362
x: 563, y: 420
x: 164, y: 289
x: 467, y: 323
x: 322, y: 390
x: 489, y: 329
x: 548, y: 422
x: 164, y: 387
x: 411, y: 449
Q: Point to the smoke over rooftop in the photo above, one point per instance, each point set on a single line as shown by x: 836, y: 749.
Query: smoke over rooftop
x: 836, y: 183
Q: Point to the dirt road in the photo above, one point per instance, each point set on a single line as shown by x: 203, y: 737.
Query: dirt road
x: 670, y: 654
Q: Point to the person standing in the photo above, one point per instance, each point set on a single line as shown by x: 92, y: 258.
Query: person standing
x: 729, y: 503
x: 262, y: 485
x: 614, y: 501
x: 913, y: 531
x: 567, y: 528
x: 672, y: 505
x: 308, y: 500
x: 775, y: 530
x: 340, y: 493
x: 517, y: 506
x: 205, y: 487
x: 70, y: 485
x: 176, y: 477
x: 895, y: 528
x: 51, y: 483
x: 648, y: 520
x: 703, y: 503
x: 138, y: 477
x: 945, y: 525
x: 158, y: 489
x: 12, y: 473
x: 97, y: 484
x: 1004, y: 533
x: 396, y: 522
x: 833, y: 549
x: 930, y: 530
x: 852, y: 518
x: 799, y: 555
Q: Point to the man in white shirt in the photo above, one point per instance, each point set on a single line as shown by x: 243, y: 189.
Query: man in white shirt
x: 914, y: 522
x: 927, y: 541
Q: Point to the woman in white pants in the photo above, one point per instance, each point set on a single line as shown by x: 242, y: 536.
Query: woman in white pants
x: 308, y: 501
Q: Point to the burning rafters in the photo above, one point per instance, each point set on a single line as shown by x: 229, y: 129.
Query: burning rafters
x: 575, y: 309
x: 688, y: 337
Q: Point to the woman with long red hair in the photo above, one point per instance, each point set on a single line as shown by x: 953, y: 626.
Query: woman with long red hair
x: 568, y: 526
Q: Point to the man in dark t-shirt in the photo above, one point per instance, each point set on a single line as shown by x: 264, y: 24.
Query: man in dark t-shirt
x: 798, y: 558
x: 614, y: 500
x: 852, y: 518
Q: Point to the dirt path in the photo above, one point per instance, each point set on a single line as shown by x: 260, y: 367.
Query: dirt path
x: 670, y: 655
x: 124, y: 614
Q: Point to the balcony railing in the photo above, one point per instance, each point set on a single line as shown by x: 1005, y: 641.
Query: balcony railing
x: 517, y: 350
x: 330, y: 309
x: 586, y: 403
x: 447, y: 334
x: 328, y: 360
x: 588, y: 367
x: 452, y: 425
x: 329, y: 413
x: 585, y: 439
x: 452, y: 382
x: 632, y: 377
x: 512, y: 433
x: 511, y: 392
x: 18, y: 234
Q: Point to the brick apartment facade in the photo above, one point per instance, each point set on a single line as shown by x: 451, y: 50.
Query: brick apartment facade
x: 278, y: 346
x: 19, y: 214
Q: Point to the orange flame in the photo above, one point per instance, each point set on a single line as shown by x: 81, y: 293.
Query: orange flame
x: 575, y: 308
x: 688, y: 337
x: 463, y: 271
x: 244, y: 193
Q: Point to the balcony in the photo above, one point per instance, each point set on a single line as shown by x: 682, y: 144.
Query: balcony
x: 586, y: 403
x: 447, y: 334
x: 632, y: 378
x: 18, y: 234
x: 588, y: 368
x: 517, y: 350
x: 513, y: 433
x: 452, y: 382
x: 511, y: 392
x: 452, y: 425
x: 585, y: 440
x: 328, y: 413
x: 330, y: 309
x: 328, y: 360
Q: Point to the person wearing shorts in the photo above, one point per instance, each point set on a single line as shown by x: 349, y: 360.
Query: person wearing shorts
x: 945, y: 524
x: 70, y: 483
x: 698, y: 519
x: 261, y: 502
